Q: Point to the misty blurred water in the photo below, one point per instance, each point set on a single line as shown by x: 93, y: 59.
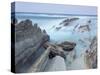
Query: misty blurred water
x: 66, y: 33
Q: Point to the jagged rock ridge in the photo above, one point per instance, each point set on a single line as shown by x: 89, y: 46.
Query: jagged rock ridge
x: 28, y: 44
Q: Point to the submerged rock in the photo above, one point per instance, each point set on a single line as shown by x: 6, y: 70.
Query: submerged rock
x: 75, y: 27
x: 84, y: 28
x: 73, y: 19
x: 67, y: 21
x: 58, y: 28
x: 89, y: 21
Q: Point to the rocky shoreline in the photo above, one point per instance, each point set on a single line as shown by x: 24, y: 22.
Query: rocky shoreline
x: 35, y: 53
x: 91, y: 54
x: 28, y: 44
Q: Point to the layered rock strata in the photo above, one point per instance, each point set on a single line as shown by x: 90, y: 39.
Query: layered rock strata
x: 91, y: 54
x: 28, y: 46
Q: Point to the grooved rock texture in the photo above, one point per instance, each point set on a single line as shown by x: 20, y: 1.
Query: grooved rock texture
x: 28, y: 44
x: 91, y: 54
x: 68, y: 20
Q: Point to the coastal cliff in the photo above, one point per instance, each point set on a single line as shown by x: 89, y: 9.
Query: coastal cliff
x: 28, y: 44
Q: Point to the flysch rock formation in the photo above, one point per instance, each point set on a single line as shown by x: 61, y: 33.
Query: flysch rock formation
x: 91, y: 54
x: 57, y: 53
x: 66, y: 22
x: 35, y: 53
x: 60, y: 49
x: 83, y: 27
x: 28, y: 47
x: 54, y: 50
x: 84, y: 30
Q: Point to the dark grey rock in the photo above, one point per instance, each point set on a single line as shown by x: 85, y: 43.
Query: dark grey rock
x: 58, y: 28
x: 29, y: 40
x: 67, y: 21
x: 67, y: 46
x: 84, y: 28
x: 55, y: 51
x: 91, y: 54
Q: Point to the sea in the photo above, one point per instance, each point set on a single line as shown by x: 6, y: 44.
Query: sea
x: 50, y: 22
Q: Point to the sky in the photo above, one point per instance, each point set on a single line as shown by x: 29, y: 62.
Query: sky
x: 29, y: 7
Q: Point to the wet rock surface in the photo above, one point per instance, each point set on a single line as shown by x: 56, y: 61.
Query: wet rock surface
x: 67, y: 46
x: 28, y: 44
x: 56, y: 51
x: 91, y: 54
x: 67, y: 21
x: 84, y: 28
x: 59, y: 49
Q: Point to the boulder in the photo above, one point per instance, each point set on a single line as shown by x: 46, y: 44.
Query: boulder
x: 54, y: 51
x: 67, y: 46
x: 59, y: 49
